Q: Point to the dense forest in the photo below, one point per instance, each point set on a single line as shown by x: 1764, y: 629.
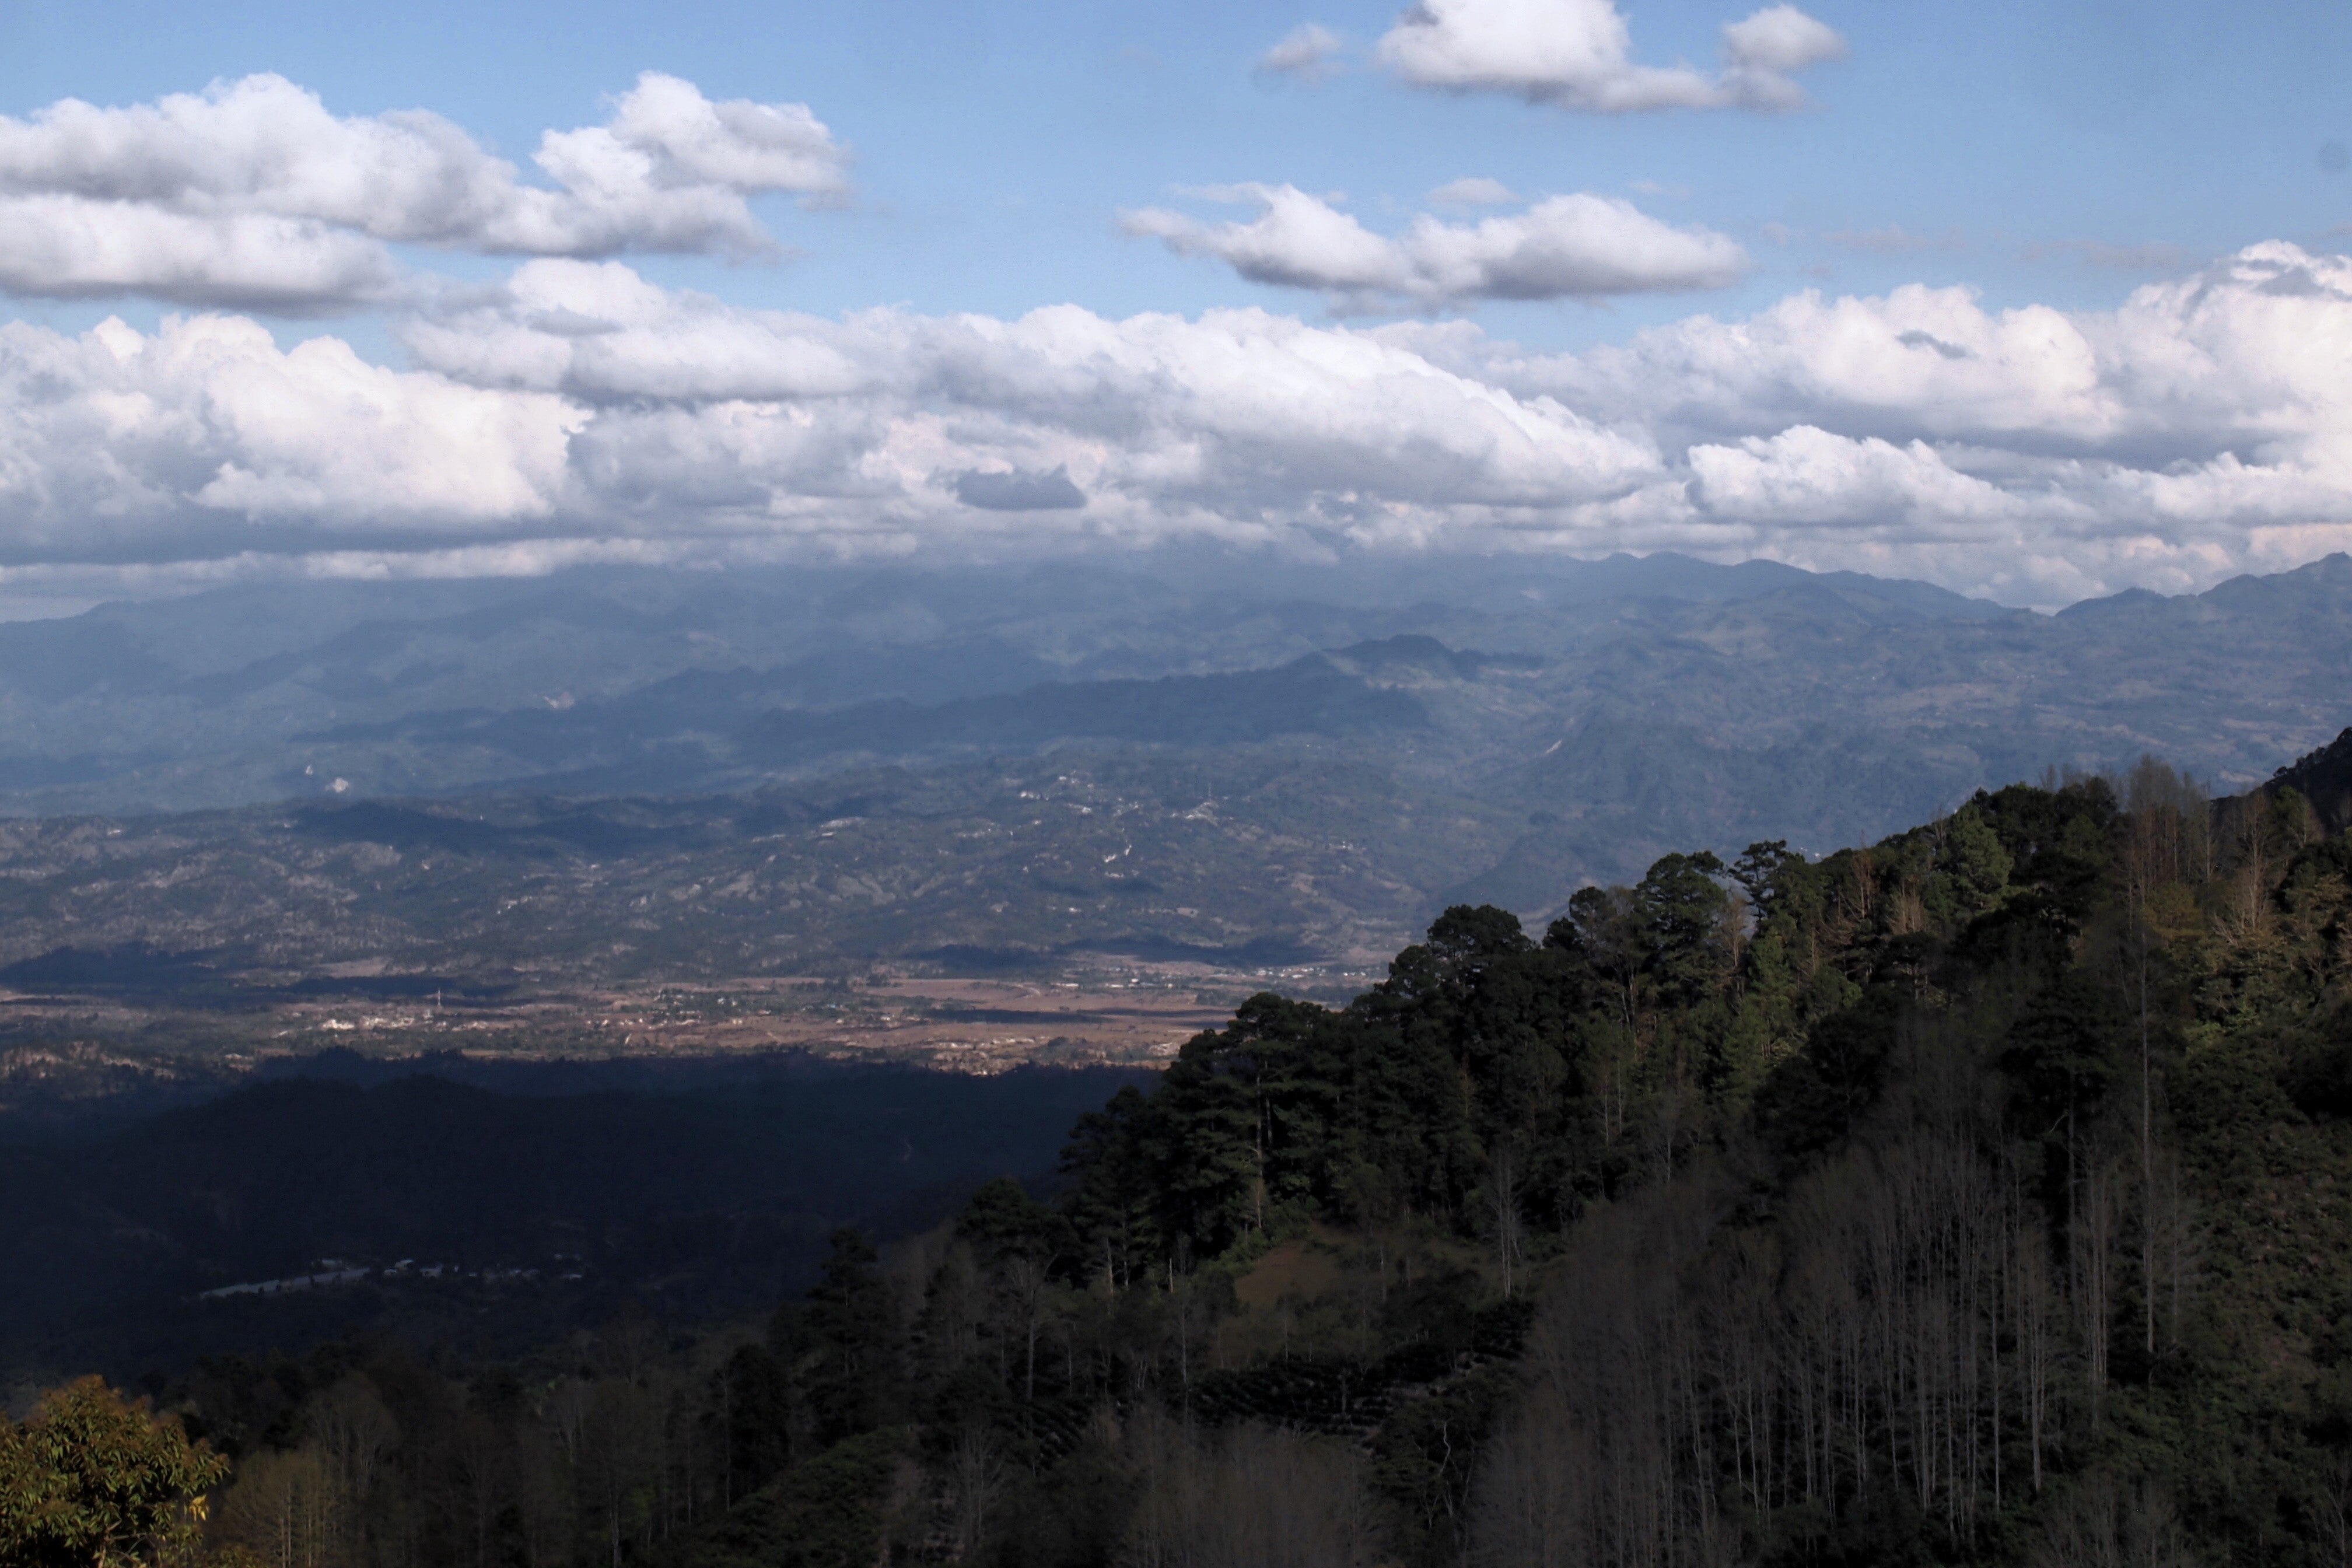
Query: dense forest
x: 1976, y: 1195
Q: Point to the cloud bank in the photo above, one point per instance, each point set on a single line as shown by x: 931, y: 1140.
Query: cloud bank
x: 1578, y: 54
x: 1566, y: 248
x: 2204, y: 425
x: 252, y: 195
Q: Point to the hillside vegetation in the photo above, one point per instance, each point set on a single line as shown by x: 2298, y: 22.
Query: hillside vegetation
x: 1978, y: 1195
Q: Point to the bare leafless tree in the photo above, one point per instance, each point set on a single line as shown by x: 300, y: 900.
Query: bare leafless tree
x: 1505, y: 1187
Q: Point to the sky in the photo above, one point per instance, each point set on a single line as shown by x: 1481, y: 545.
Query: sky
x: 2036, y: 302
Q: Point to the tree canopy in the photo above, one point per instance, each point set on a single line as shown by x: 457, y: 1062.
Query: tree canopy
x: 92, y: 1482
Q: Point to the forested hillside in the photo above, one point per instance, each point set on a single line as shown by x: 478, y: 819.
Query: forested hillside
x: 1978, y: 1195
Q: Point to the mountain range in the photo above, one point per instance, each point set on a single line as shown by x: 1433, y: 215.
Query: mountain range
x: 1177, y: 756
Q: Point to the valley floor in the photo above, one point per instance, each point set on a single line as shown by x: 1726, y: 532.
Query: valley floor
x: 1117, y: 1013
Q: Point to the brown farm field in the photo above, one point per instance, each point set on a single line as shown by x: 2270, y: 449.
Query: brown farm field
x: 59, y: 1049
x: 969, y: 1024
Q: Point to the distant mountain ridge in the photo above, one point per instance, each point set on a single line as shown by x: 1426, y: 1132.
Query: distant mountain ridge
x: 733, y: 715
x: 263, y: 692
x: 1394, y: 739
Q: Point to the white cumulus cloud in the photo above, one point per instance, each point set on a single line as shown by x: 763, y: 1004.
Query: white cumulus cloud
x: 1808, y: 476
x: 207, y: 438
x: 1227, y: 421
x: 252, y: 194
x: 1762, y: 53
x: 1577, y: 54
x: 1573, y: 246
x: 580, y: 412
x: 62, y: 247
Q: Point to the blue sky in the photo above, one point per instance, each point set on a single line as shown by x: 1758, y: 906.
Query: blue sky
x: 996, y: 142
x: 2056, y: 156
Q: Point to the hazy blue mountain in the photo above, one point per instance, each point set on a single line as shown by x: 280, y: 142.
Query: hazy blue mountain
x: 272, y: 691
x: 1169, y: 756
x: 740, y: 718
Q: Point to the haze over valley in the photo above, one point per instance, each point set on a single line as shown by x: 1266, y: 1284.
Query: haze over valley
x: 630, y: 778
